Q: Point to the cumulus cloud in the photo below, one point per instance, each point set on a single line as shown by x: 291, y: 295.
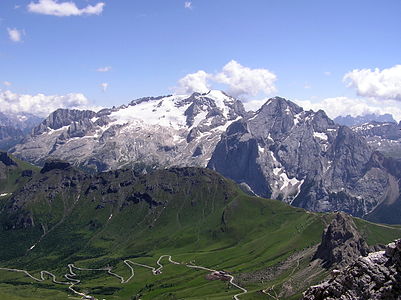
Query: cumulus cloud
x: 342, y: 106
x: 104, y: 69
x: 254, y: 105
x: 188, y: 4
x: 64, y: 9
x: 7, y: 83
x: 379, y: 84
x: 104, y: 86
x: 195, y: 82
x: 239, y: 80
x: 245, y: 81
x: 14, y: 34
x: 40, y: 104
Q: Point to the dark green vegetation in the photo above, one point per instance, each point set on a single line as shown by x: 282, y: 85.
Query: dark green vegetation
x: 192, y: 214
x: 14, y: 173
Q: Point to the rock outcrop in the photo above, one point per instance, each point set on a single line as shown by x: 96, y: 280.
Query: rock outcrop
x: 341, y: 243
x: 6, y: 159
x: 55, y: 165
x: 376, y: 276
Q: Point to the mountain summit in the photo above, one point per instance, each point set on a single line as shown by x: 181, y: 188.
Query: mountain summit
x: 164, y: 131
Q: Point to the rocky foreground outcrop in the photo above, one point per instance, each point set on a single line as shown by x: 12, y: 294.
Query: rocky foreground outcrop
x: 376, y: 276
x: 341, y: 243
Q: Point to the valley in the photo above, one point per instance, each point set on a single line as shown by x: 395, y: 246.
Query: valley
x: 113, y: 230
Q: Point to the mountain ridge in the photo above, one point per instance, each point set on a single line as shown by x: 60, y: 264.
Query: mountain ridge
x: 280, y: 151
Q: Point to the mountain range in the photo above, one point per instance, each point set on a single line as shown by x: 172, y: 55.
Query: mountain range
x: 280, y: 151
x: 368, y: 118
x: 14, y: 127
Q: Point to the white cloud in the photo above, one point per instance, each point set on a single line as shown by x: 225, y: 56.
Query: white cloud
x: 327, y: 73
x: 243, y: 81
x: 188, y: 4
x: 40, y: 104
x: 104, y: 69
x: 195, y: 82
x: 104, y: 86
x: 7, y: 83
x: 240, y: 81
x: 14, y: 34
x: 254, y: 105
x: 342, y: 106
x: 64, y: 9
x: 379, y: 84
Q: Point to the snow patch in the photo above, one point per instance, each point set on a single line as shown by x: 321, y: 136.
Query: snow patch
x: 320, y: 135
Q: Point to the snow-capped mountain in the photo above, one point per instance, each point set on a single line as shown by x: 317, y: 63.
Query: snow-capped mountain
x: 280, y: 151
x: 164, y: 131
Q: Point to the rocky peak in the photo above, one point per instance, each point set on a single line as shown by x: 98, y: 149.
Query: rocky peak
x: 63, y: 117
x: 341, y: 242
x: 376, y: 276
x: 278, y: 106
x: 216, y: 106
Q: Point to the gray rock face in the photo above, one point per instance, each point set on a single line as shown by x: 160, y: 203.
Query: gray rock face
x: 341, y: 243
x: 382, y: 136
x: 63, y: 117
x: 377, y: 276
x: 303, y: 158
x: 155, y: 131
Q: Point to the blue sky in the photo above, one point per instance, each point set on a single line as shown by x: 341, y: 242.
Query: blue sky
x: 151, y: 44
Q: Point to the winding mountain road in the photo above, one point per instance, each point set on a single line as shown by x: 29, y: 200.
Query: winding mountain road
x: 72, y: 281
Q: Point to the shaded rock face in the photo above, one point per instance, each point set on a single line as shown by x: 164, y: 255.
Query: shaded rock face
x: 6, y: 163
x: 341, y: 243
x: 55, y: 165
x: 6, y: 159
x: 377, y: 276
x: 302, y: 158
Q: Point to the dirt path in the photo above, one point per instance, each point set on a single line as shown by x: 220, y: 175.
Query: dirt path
x: 72, y: 281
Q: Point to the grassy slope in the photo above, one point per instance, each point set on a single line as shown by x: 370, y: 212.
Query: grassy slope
x: 203, y: 218
x: 14, y: 179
